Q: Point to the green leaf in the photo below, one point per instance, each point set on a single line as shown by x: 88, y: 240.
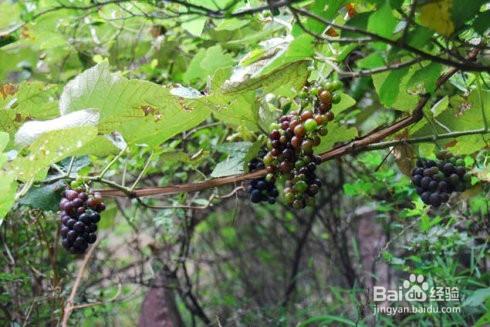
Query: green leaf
x: 389, y: 90
x: 50, y: 148
x: 8, y: 187
x: 371, y: 61
x: 345, y: 103
x: 388, y: 86
x: 477, y: 298
x: 382, y: 21
x: 464, y: 11
x: 467, y: 115
x: 194, y: 24
x: 4, y: 140
x: 234, y: 164
x: 45, y: 197
x: 32, y: 100
x: 419, y: 36
x: 281, y: 81
x: 322, y: 8
x: 206, y: 62
x: 236, y: 108
x: 301, y: 48
x: 232, y: 24
x: 425, y: 79
x: 141, y: 111
x: 89, y: 90
x: 336, y: 134
x: 440, y: 106
x: 481, y: 22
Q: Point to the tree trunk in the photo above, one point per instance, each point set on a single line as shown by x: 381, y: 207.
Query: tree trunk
x: 159, y: 308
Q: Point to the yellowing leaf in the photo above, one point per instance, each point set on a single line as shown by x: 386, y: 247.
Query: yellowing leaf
x: 404, y: 158
x: 436, y: 15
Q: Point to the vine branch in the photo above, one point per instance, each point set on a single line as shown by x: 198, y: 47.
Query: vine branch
x: 367, y: 142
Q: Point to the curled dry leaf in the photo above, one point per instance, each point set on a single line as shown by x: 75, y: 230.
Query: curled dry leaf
x: 404, y: 157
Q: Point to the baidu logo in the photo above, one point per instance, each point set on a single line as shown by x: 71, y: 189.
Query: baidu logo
x: 415, y: 289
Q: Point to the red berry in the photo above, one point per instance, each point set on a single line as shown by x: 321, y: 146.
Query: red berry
x: 306, y: 115
x: 325, y: 97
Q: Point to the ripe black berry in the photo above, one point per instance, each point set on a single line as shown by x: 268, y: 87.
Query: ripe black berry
x: 79, y: 217
x: 262, y: 189
x: 436, y: 180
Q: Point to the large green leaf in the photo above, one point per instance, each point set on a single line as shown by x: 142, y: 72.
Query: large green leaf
x: 461, y: 115
x: 234, y: 163
x: 322, y: 8
x: 336, y: 134
x: 392, y: 89
x: 281, y: 81
x: 8, y: 185
x: 206, y: 62
x: 50, y: 148
x: 301, y: 48
x: 382, y: 21
x: 44, y: 197
x: 141, y: 111
x: 425, y: 79
x: 30, y: 100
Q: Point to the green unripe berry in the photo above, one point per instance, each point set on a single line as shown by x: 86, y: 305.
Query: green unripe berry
x: 289, y: 197
x: 300, y: 186
x: 336, y: 98
x: 274, y: 126
x: 267, y: 159
x: 307, y: 146
x: 328, y: 86
x: 310, y: 125
x: 336, y: 85
x: 323, y: 131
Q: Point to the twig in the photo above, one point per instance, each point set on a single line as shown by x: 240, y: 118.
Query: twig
x: 369, y: 72
x: 464, y: 66
x: 106, y: 168
x: 430, y: 138
x: 143, y: 171
x: 413, y: 6
x: 69, y: 307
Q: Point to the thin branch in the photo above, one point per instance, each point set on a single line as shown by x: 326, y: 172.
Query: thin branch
x: 349, y: 40
x: 429, y: 138
x: 413, y: 6
x: 354, y: 146
x: 464, y: 66
x: 69, y: 307
x: 369, y: 72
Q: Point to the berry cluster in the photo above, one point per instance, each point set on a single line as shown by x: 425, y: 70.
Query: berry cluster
x: 261, y: 189
x: 303, y: 185
x: 79, y: 218
x: 292, y: 140
x: 435, y: 180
